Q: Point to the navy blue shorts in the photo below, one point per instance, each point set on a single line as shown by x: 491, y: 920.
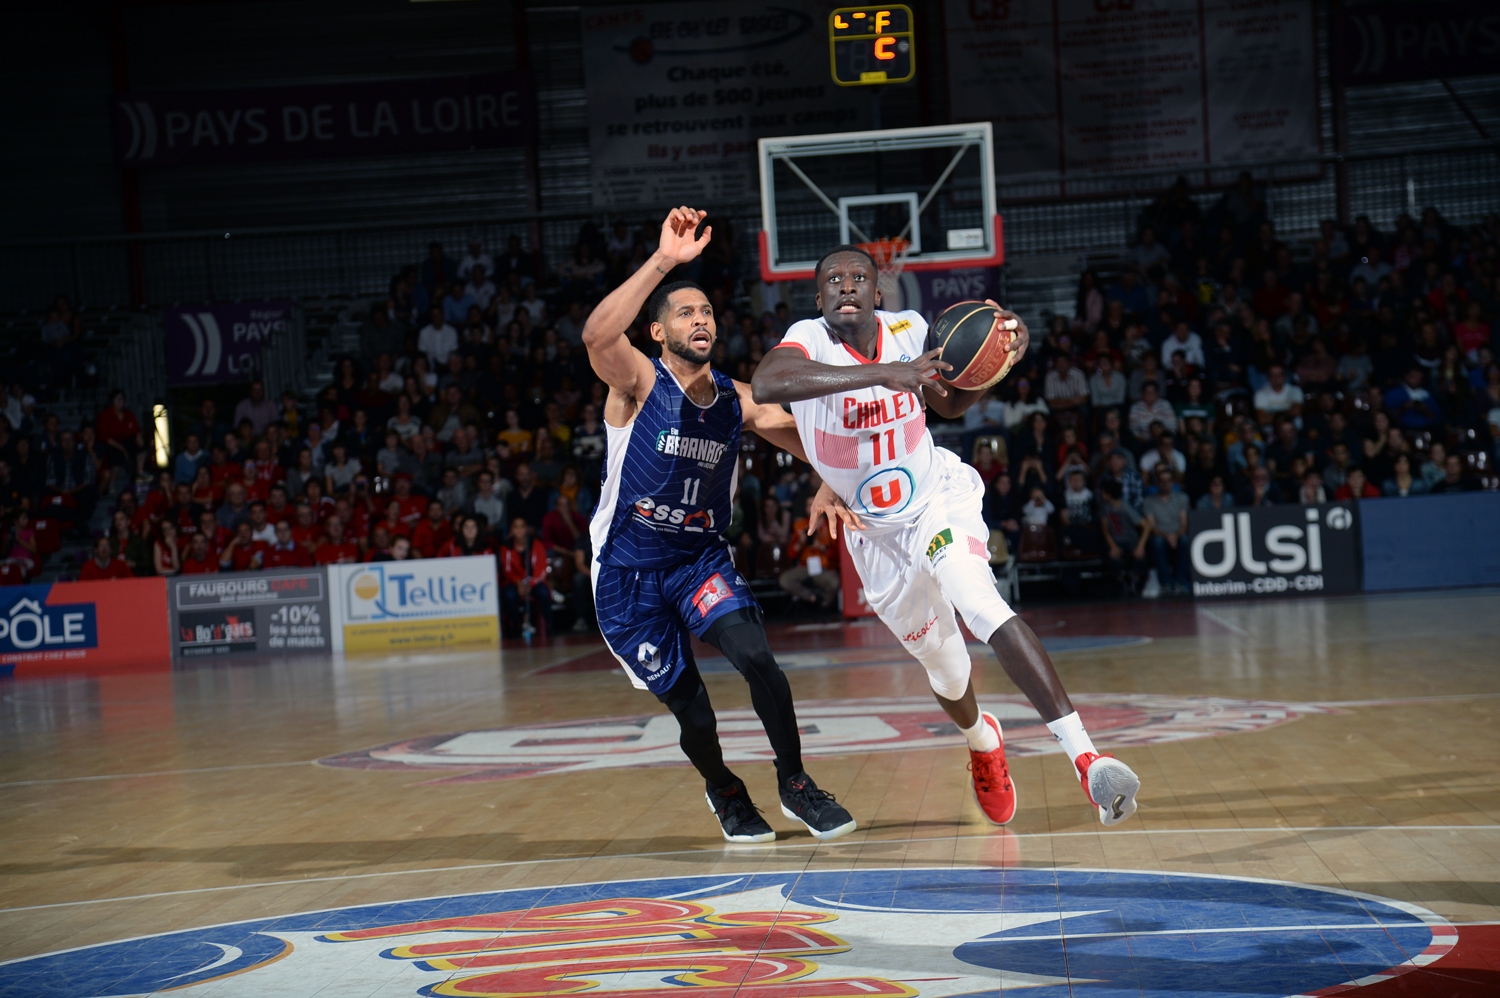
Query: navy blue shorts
x: 646, y: 614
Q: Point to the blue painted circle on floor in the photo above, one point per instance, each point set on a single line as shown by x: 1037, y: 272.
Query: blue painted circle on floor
x: 934, y: 933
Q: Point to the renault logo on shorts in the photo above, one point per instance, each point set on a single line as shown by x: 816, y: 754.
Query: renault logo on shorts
x: 886, y: 492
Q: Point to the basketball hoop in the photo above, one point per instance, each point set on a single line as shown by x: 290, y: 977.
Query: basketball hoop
x: 890, y: 258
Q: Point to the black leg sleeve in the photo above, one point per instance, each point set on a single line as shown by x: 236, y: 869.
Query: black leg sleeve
x: 741, y: 636
x: 688, y: 702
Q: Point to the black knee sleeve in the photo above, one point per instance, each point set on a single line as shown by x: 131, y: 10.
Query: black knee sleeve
x: 741, y: 636
x: 688, y: 701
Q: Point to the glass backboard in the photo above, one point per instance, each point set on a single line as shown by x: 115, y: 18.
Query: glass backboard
x: 932, y: 188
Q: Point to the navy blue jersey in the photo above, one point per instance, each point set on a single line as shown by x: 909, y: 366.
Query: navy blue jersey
x: 668, y: 477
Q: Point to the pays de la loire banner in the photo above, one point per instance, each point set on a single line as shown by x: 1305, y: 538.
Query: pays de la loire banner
x: 213, y: 344
x: 678, y: 94
x: 1089, y: 87
x: 380, y: 118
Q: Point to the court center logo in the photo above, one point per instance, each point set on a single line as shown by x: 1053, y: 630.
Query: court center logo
x: 908, y: 933
x: 829, y: 728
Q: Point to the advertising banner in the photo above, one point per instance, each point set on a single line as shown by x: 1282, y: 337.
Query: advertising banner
x: 378, y: 118
x: 1400, y: 42
x: 931, y: 291
x: 678, y: 94
x: 62, y: 626
x: 271, y: 612
x: 1091, y: 88
x: 406, y: 606
x: 213, y: 344
x: 1275, y: 550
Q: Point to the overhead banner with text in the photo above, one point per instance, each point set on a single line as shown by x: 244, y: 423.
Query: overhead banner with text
x: 678, y: 94
x: 378, y: 118
x: 214, y: 344
x: 1088, y: 88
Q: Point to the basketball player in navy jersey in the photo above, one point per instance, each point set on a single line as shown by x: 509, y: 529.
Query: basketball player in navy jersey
x: 661, y: 566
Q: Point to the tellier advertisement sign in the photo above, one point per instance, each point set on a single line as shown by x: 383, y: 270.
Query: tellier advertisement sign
x: 273, y: 612
x: 424, y: 605
x: 1275, y: 550
x: 212, y: 344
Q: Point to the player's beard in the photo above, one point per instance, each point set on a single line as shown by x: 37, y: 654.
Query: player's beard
x: 684, y: 349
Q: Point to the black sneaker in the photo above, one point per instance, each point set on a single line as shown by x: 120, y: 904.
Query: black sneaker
x: 801, y: 800
x: 738, y: 816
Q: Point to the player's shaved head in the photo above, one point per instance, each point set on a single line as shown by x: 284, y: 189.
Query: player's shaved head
x: 661, y: 299
x: 845, y: 248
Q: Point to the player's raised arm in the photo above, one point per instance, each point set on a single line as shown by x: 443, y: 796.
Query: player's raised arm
x: 618, y: 364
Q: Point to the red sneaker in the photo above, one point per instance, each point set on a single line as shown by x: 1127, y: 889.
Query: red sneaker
x: 993, y: 789
x: 1109, y: 784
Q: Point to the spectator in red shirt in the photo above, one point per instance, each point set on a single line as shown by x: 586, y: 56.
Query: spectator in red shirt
x: 393, y: 524
x: 286, y: 552
x: 222, y: 471
x: 217, y: 536
x: 105, y: 564
x: 306, y: 531
x: 433, y: 533
x: 203, y: 494
x: 523, y: 578
x: 156, y: 503
x: 166, y: 553
x: 469, y: 540
x: 267, y: 469
x: 120, y: 432
x: 250, y: 479
x: 277, y: 508
x: 380, y: 543
x: 563, y: 527
x: 335, y: 550
x: 199, y: 560
x: 412, y: 507
x: 1355, y: 487
x: 243, y: 553
x: 183, y: 511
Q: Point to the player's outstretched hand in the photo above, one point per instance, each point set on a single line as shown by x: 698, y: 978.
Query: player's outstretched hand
x: 1020, y: 336
x: 826, y: 502
x: 679, y: 239
x: 915, y: 375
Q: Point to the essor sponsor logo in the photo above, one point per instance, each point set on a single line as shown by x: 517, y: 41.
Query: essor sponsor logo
x: 29, y: 625
x: 704, y: 451
x: 1289, y: 548
x: 693, y: 521
x: 886, y: 492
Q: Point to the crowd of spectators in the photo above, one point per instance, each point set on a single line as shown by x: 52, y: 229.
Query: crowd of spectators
x: 1215, y: 367
x: 1218, y: 366
x: 470, y: 423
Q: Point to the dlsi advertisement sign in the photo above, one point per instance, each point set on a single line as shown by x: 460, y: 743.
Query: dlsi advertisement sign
x: 424, y: 605
x: 1275, y: 550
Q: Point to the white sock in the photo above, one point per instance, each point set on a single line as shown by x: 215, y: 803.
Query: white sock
x: 981, y: 736
x: 1069, y: 731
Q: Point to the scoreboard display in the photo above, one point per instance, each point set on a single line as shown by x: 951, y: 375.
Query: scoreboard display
x: 871, y: 45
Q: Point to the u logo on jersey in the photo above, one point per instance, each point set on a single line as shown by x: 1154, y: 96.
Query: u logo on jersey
x: 886, y: 492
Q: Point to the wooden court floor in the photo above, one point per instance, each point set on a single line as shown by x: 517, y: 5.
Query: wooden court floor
x: 1290, y: 750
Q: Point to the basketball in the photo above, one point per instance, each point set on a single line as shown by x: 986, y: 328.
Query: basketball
x: 973, y: 339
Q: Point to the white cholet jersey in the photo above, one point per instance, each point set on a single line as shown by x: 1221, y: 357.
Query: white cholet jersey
x: 870, y: 445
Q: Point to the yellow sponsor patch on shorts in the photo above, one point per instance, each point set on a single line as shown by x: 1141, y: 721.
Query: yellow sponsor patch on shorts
x: 943, y: 539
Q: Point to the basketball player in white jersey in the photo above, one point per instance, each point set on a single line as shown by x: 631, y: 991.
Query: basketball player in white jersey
x: 859, y: 381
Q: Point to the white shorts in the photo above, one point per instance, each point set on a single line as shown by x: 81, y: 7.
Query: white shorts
x: 915, y: 576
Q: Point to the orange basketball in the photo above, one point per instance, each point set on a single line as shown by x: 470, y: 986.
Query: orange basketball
x: 974, y: 340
